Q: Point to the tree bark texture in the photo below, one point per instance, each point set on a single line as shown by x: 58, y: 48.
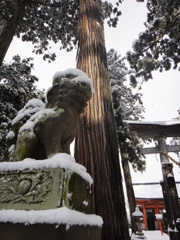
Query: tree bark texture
x: 9, y: 22
x: 96, y: 142
x: 129, y: 189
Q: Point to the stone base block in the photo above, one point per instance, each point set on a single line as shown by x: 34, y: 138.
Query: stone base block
x: 45, y: 184
x: 10, y: 231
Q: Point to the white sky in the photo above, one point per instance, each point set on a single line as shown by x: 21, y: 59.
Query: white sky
x: 160, y: 96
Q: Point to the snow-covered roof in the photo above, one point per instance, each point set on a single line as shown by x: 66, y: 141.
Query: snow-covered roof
x: 155, y: 129
x: 160, y: 123
x: 151, y: 191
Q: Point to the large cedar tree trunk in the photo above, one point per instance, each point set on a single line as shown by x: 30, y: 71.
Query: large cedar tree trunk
x: 9, y: 20
x: 96, y: 143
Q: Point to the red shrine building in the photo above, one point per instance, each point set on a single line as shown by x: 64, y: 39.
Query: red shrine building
x: 151, y: 203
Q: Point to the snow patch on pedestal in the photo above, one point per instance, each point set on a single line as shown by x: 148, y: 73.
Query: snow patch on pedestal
x: 52, y: 216
x: 60, y: 160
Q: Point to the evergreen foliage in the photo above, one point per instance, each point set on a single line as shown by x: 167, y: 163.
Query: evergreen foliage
x: 16, y: 89
x: 45, y: 21
x: 158, y: 47
x: 127, y: 106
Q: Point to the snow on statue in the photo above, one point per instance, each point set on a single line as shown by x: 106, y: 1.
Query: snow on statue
x: 39, y: 131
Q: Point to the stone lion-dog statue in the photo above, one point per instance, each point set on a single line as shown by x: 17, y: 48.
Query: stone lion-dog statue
x: 41, y: 130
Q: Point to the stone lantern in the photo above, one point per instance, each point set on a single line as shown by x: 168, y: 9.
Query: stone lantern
x: 138, y: 216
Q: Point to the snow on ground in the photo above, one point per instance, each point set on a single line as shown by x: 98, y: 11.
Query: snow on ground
x: 152, y: 235
x: 155, y: 235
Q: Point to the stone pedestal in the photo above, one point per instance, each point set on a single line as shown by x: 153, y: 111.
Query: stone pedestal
x: 10, y: 231
x: 46, y: 199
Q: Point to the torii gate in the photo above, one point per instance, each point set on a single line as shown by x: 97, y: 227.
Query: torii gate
x: 160, y: 131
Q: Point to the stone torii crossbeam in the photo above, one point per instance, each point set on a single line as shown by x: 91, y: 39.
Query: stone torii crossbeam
x: 160, y: 131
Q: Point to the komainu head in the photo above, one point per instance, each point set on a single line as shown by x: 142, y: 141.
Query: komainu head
x: 70, y: 88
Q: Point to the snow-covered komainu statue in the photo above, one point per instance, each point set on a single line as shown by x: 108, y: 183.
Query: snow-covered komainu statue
x: 40, y: 131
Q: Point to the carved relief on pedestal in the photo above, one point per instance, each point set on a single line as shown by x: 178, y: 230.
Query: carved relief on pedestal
x: 25, y: 188
x: 43, y: 189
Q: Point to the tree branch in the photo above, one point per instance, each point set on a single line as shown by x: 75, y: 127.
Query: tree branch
x: 44, y: 4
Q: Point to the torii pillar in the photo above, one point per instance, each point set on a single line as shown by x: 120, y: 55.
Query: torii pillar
x: 159, y: 131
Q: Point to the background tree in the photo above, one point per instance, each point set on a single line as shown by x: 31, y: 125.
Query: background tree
x: 11, y: 16
x: 158, y: 47
x: 17, y: 86
x: 127, y: 106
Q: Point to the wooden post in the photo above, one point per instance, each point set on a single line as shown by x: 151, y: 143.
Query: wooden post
x: 145, y: 215
x: 159, y: 221
x: 169, y: 189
